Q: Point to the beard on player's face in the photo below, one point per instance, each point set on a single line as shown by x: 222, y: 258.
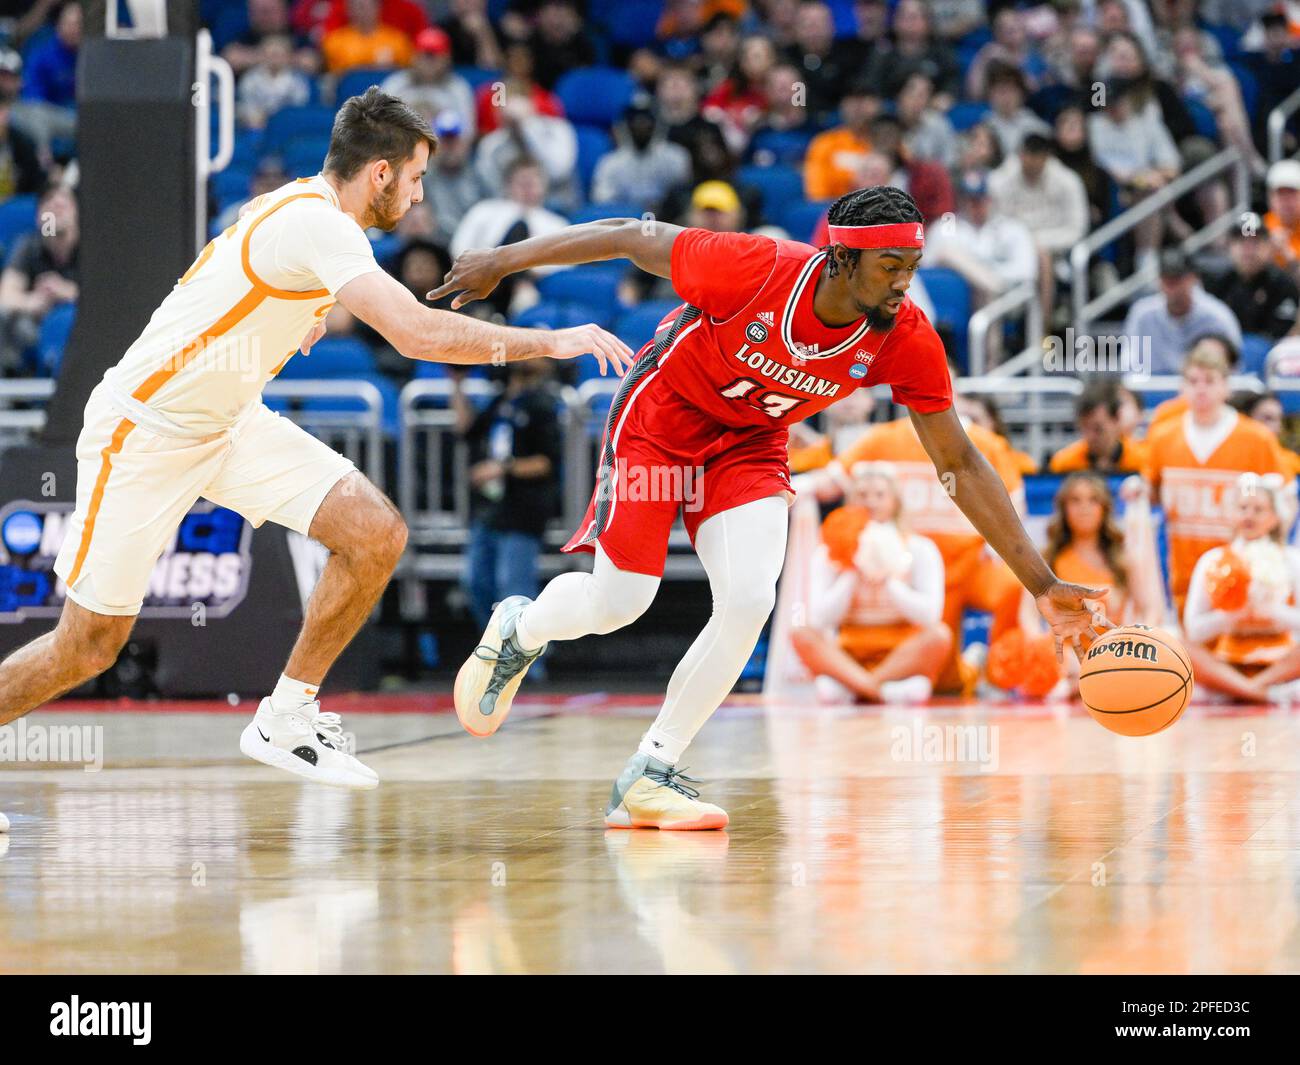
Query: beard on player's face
x: 386, y: 208
x: 880, y: 319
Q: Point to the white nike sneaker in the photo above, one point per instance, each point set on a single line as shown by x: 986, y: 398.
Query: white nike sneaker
x: 308, y: 743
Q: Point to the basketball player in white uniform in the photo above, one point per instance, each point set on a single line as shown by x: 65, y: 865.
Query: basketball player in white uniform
x: 181, y: 418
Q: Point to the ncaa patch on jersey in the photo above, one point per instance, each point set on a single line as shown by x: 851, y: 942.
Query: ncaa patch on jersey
x: 858, y: 369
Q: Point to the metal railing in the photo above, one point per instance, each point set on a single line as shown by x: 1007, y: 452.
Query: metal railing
x: 1023, y: 297
x: 1087, y: 311
x: 20, y: 421
x: 358, y: 434
x: 1038, y: 411
x: 1277, y: 119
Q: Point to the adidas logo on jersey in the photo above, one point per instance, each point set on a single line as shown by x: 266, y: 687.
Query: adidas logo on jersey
x: 768, y: 318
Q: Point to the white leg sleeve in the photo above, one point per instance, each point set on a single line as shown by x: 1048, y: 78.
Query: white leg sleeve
x: 578, y: 604
x: 743, y: 550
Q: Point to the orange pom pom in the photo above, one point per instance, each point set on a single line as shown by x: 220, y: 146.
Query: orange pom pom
x: 1040, y: 670
x: 1023, y: 664
x: 841, y: 531
x: 1228, y: 582
x: 1003, y: 664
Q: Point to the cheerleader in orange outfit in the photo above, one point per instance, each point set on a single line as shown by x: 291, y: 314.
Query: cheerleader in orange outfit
x: 1085, y: 540
x: 876, y: 631
x: 1241, y: 619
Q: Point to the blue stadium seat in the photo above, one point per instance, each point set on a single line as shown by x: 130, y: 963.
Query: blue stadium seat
x: 965, y: 115
x: 1254, y: 352
x: 800, y: 219
x: 248, y: 147
x: 17, y: 216
x: 331, y: 357
x: 1050, y: 100
x: 596, y: 290
x: 1206, y: 124
x: 230, y: 22
x: 291, y: 122
x: 777, y: 185
x: 594, y: 95
x: 231, y: 185
x: 1229, y: 39
x: 426, y: 371
x: 593, y: 212
x: 637, y: 326
x: 387, y: 248
x: 632, y: 23
x: 53, y: 338
x: 787, y: 146
x: 355, y: 82
x: 593, y: 142
x: 478, y: 76
x: 552, y: 315
x: 950, y: 295
x: 305, y: 154
x: 1248, y: 83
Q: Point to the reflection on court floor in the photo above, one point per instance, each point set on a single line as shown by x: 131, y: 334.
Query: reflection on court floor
x: 950, y: 839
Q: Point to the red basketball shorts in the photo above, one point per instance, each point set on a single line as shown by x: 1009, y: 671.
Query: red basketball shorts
x: 661, y: 456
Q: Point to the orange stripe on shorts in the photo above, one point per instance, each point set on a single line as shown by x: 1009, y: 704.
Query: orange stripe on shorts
x: 97, y: 496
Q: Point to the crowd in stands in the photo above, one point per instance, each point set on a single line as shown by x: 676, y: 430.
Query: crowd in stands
x: 1018, y: 128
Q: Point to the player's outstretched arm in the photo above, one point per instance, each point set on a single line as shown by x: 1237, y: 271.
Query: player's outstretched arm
x: 477, y: 271
x: 983, y: 498
x: 420, y: 332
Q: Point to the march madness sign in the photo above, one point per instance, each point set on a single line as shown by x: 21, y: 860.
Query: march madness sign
x: 207, y: 563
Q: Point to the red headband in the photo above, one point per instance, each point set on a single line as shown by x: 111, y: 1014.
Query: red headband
x: 902, y: 235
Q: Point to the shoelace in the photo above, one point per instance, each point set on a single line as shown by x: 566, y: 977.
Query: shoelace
x: 674, y: 778
x: 329, y: 729
x: 506, y: 662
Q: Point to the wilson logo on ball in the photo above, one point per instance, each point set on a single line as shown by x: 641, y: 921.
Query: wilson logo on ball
x: 1124, y: 649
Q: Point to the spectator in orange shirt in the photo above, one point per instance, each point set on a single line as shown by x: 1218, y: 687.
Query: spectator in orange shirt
x: 365, y: 41
x: 1283, y: 218
x: 1102, y: 447
x: 1217, y: 345
x: 1193, y: 462
x: 830, y: 168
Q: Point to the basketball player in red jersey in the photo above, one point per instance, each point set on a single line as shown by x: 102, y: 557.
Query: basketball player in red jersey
x: 771, y: 331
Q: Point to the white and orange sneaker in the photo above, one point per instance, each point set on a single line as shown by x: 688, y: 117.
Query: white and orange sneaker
x: 307, y: 743
x: 653, y: 794
x: 486, y: 684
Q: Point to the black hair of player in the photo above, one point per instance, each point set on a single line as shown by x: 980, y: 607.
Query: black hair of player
x: 876, y: 205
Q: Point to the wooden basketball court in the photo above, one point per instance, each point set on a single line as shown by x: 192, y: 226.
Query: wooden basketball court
x: 1003, y: 838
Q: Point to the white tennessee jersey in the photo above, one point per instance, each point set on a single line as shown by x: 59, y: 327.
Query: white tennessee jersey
x: 240, y: 312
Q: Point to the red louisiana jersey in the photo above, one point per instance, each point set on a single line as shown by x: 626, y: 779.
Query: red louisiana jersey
x: 747, y: 349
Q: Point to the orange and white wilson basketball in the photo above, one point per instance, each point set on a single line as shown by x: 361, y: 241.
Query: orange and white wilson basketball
x: 1136, y: 680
